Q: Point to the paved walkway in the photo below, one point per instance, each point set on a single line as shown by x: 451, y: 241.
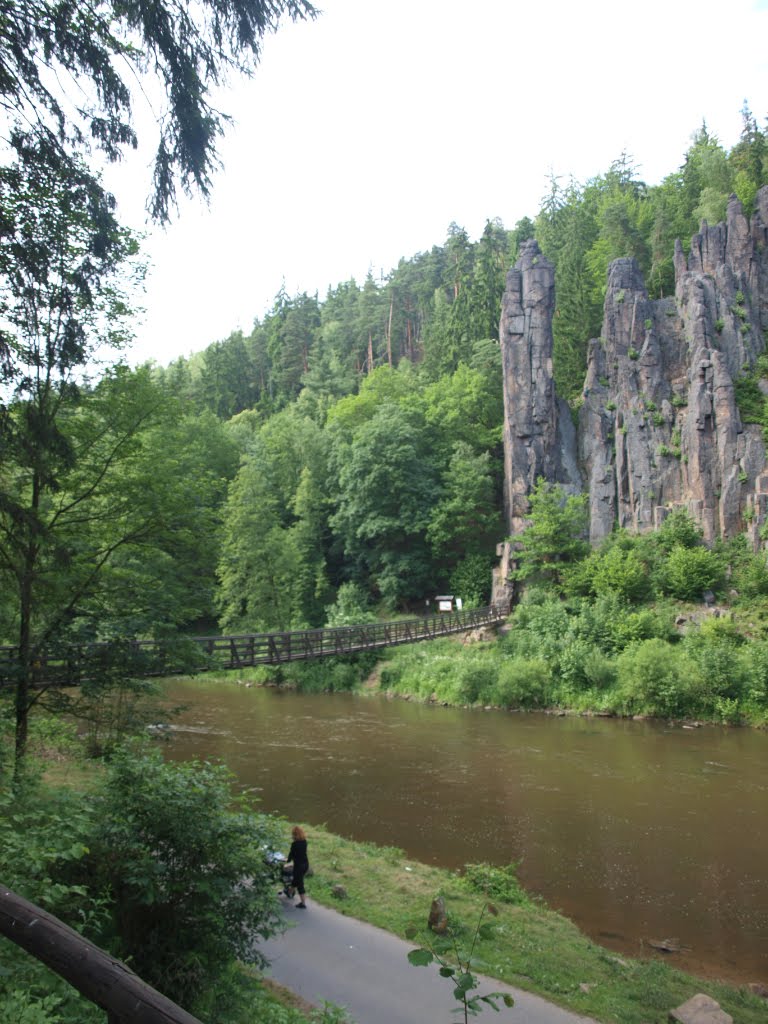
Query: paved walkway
x: 326, y: 956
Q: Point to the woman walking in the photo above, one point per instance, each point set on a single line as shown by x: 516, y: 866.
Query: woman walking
x: 297, y: 855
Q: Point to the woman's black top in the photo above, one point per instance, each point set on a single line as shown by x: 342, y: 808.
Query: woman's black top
x: 297, y: 855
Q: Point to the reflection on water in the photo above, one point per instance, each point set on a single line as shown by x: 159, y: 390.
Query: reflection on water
x: 636, y: 830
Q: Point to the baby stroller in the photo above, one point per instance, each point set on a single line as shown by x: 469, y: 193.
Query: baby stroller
x: 282, y: 872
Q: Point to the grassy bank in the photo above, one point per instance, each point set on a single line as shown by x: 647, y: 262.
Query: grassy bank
x: 669, y: 660
x: 529, y: 946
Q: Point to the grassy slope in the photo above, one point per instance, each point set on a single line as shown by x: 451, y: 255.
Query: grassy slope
x: 532, y: 947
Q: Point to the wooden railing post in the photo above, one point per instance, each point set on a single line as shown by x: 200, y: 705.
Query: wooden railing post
x: 102, y: 979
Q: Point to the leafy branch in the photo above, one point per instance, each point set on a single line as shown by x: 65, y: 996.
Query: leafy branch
x: 456, y: 964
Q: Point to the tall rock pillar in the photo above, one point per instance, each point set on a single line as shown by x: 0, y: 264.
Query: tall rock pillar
x: 539, y: 436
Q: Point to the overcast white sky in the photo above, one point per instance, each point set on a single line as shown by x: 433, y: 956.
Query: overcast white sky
x: 365, y: 133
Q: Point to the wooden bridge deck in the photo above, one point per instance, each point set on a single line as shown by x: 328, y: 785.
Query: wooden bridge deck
x: 72, y: 665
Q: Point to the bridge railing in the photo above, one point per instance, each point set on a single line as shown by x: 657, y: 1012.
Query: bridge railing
x: 72, y: 665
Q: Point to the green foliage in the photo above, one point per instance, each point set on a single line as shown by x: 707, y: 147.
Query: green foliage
x: 621, y: 572
x: 386, y: 488
x: 689, y: 572
x: 495, y: 883
x: 678, y: 530
x: 656, y: 679
x: 750, y: 400
x: 466, y: 520
x: 456, y: 963
x: 171, y: 854
x: 327, y: 675
x: 750, y: 575
x: 471, y: 580
x: 350, y: 608
x: 108, y: 51
x: 556, y: 532
x: 272, y: 569
x: 42, y: 835
x: 724, y: 667
x: 522, y: 683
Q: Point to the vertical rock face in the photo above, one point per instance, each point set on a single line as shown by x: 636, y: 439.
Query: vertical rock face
x: 659, y: 426
x: 539, y: 437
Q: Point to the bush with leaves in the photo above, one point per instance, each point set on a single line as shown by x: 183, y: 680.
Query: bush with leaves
x: 722, y: 657
x: 538, y: 628
x: 351, y: 607
x: 611, y: 624
x: 555, y: 535
x: 522, y: 683
x: 655, y: 678
x: 679, y: 529
x: 583, y: 666
x: 623, y: 573
x: 496, y: 883
x: 471, y: 580
x: 184, y: 873
x: 689, y: 572
x: 42, y: 836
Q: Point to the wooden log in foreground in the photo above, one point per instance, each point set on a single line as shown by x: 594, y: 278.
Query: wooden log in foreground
x: 99, y: 977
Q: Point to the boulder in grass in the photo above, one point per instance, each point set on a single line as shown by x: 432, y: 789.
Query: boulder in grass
x: 700, y: 1009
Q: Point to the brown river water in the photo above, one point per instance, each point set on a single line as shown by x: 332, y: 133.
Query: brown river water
x: 637, y: 831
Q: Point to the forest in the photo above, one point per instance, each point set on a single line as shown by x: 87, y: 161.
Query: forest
x: 343, y: 459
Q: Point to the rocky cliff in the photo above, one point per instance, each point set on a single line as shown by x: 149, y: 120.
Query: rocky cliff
x: 658, y: 426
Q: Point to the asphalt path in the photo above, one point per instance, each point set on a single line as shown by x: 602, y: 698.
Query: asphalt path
x: 325, y: 956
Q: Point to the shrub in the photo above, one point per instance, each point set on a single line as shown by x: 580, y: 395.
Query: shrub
x: 522, y: 683
x: 750, y: 576
x: 655, y: 679
x: 350, y: 608
x: 611, y: 624
x: 495, y: 883
x: 43, y: 837
x: 476, y: 682
x: 678, y: 529
x: 623, y: 573
x: 577, y: 579
x: 584, y: 666
x: 471, y: 580
x: 172, y: 854
x: 749, y: 399
x: 537, y: 630
x: 328, y: 675
x: 689, y: 572
x: 717, y: 649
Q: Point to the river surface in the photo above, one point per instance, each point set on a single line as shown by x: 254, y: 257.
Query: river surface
x: 637, y: 831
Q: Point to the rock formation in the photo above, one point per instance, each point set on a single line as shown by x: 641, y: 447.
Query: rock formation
x: 658, y: 426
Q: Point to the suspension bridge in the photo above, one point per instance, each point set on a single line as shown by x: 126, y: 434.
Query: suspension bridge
x: 72, y: 664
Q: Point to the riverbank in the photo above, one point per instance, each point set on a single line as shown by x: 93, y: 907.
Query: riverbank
x: 528, y: 945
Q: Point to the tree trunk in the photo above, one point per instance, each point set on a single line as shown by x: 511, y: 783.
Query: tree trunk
x: 26, y: 601
x: 389, y: 328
